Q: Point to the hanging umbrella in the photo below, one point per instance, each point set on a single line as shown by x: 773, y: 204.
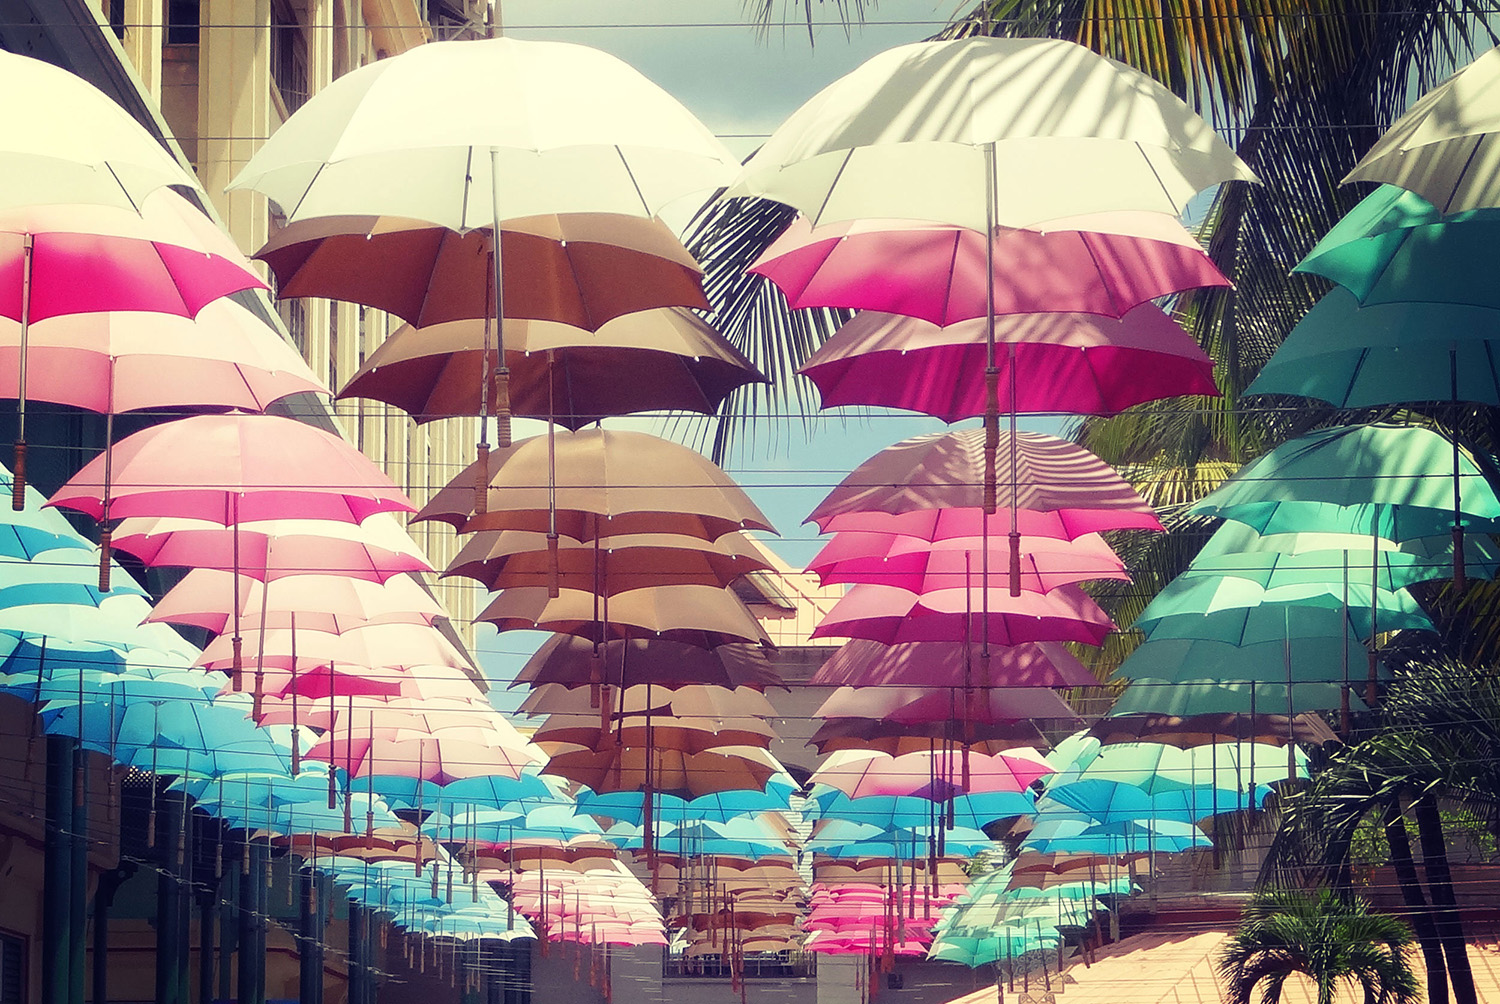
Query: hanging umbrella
x: 380, y: 645
x: 27, y: 532
x: 1207, y: 694
x: 438, y: 758
x: 722, y: 806
x: 900, y: 738
x: 1200, y: 730
x: 1106, y: 263
x: 1066, y: 130
x: 580, y: 269
x: 891, y: 615
x: 655, y: 360
x: 1081, y: 363
x: 1443, y: 147
x: 165, y: 258
x: 574, y: 661
x: 1157, y: 768
x: 697, y: 615
x: 502, y: 559
x: 686, y: 775
x: 1109, y: 800
x: 863, y: 663
x: 858, y: 775
x: 1077, y: 832
x: 71, y: 143
x: 333, y: 603
x: 572, y: 130
x: 922, y: 566
x: 904, y: 811
x: 691, y: 700
x: 1191, y: 607
x: 898, y: 706
x: 372, y: 551
x: 949, y: 522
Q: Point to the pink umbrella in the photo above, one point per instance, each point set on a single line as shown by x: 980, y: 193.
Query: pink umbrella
x: 971, y: 522
x: 1105, y: 263
x: 917, y: 705
x: 923, y: 566
x: 372, y: 551
x: 56, y: 260
x: 332, y: 603
x: 412, y: 682
x: 863, y: 663
x: 437, y: 758
x: 890, y: 615
x: 1082, y: 364
x: 381, y: 645
x: 946, y: 471
x: 859, y: 774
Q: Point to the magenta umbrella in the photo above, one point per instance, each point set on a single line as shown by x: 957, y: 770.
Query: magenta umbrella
x: 979, y: 705
x: 923, y: 566
x: 1081, y: 364
x: 970, y: 522
x: 372, y: 551
x: 57, y: 260
x: 863, y: 663
x: 1105, y: 263
x: 890, y: 615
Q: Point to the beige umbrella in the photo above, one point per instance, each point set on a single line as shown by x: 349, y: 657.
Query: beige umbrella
x: 698, y: 701
x: 501, y: 559
x: 672, y: 735
x: 601, y: 490
x: 697, y: 615
x: 673, y: 772
x: 1446, y: 148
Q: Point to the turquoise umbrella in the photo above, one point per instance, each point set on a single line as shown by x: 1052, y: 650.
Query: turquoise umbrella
x: 1395, y: 482
x: 1207, y: 695
x: 719, y: 807
x: 33, y: 530
x: 1226, y: 607
x: 1076, y: 833
x: 1111, y: 801
x: 1156, y: 768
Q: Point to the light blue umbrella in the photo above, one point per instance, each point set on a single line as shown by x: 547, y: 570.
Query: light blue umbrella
x: 1077, y: 833
x: 1228, y: 608
x: 1110, y: 801
x: 840, y: 838
x: 34, y: 530
x: 495, y: 791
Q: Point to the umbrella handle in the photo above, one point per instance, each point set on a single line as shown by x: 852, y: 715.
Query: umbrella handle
x: 18, y: 478
x: 554, y: 574
x: 482, y: 479
x: 502, y: 407
x: 104, y: 539
x: 1015, y: 564
x: 991, y: 449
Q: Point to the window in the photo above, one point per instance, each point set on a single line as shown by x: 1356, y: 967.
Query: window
x: 182, y: 22
x: 12, y: 969
x: 288, y: 56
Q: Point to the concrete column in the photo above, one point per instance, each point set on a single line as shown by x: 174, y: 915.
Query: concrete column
x: 234, y: 108
x: 145, y: 32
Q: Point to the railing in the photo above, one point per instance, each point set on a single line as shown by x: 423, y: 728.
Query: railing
x: 756, y: 966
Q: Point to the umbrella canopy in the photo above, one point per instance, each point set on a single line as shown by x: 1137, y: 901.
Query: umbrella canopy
x: 673, y: 772
x: 386, y: 646
x: 206, y: 597
x: 629, y: 806
x: 904, y: 135
x: 947, y: 470
x: 575, y: 661
x: 1396, y: 482
x: 654, y: 360
x: 439, y: 758
x: 1443, y: 147
x: 863, y: 663
x: 1105, y: 264
x: 1202, y: 730
x: 501, y: 559
x: 1207, y: 694
x: 127, y: 360
x: 571, y: 129
x: 922, y: 566
x: 890, y: 615
x: 904, y: 811
x: 925, y: 775
x: 901, y: 738
x: 1192, y: 607
x: 228, y: 468
x: 580, y: 269
x: 1111, y: 801
x: 72, y: 143
x: 692, y: 700
x: 985, y: 705
x: 694, y: 615
x: 1086, y: 364
x: 598, y: 489
x: 372, y: 551
x: 1426, y: 263
x: 167, y: 258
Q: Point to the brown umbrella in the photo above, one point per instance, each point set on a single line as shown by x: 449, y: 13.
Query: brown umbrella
x: 501, y: 559
x: 681, y: 734
x: 673, y: 772
x: 608, y: 483
x: 1208, y: 729
x: 696, y: 615
x: 666, y: 359
x: 574, y: 661
x: 579, y: 268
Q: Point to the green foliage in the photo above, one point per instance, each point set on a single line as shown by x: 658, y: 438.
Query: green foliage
x: 1333, y: 940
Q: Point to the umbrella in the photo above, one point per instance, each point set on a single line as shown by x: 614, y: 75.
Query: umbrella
x: 673, y: 772
x: 696, y: 615
x: 1443, y: 147
x: 904, y: 811
x: 27, y: 532
x: 580, y: 269
x: 1081, y: 363
x: 574, y: 661
x: 1107, y: 263
x: 898, y: 706
x: 501, y: 559
x: 947, y: 522
x: 571, y: 130
x: 923, y: 566
x: 204, y: 598
x: 901, y: 738
x: 891, y: 615
x: 372, y: 551
x: 1190, y: 607
x: 951, y: 664
x: 860, y: 774
x: 722, y: 806
x: 1199, y: 730
x: 1109, y: 801
x: 654, y: 360
x: 927, y: 131
x: 1209, y: 695
x: 72, y: 143
x: 1077, y: 832
x: 165, y: 258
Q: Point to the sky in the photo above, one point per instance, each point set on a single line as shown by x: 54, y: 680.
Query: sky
x: 741, y: 83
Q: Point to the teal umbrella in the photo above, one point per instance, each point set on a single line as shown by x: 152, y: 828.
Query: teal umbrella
x: 1156, y: 768
x: 1227, y: 607
x: 1206, y: 695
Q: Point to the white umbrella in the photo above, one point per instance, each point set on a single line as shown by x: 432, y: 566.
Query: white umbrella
x: 62, y: 140
x: 907, y: 134
x: 1445, y: 148
x: 469, y: 134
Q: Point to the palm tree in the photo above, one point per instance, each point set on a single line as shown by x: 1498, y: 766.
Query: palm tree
x: 1332, y: 940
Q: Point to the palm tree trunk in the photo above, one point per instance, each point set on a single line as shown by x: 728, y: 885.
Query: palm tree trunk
x: 1416, y: 905
x: 1445, y: 904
